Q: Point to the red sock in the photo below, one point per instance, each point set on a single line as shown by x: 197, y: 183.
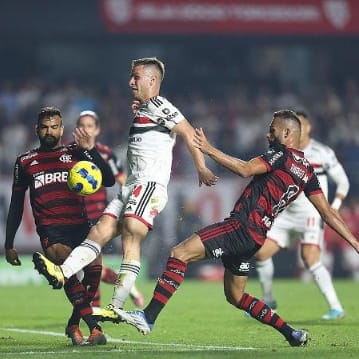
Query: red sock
x: 166, y: 286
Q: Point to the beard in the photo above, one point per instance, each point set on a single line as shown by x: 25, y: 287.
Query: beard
x: 275, y: 143
x: 49, y: 142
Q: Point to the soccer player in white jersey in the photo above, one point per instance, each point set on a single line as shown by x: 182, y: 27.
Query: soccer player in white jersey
x: 149, y: 159
x: 301, y: 219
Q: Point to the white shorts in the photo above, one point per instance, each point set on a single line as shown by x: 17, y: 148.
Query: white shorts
x: 143, y: 201
x: 291, y: 226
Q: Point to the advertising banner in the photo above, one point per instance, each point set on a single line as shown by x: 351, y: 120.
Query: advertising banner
x: 302, y: 17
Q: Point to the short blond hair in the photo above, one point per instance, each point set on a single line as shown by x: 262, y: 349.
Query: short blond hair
x: 150, y: 61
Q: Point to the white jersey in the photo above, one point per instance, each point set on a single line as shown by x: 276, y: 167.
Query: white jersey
x: 325, y: 164
x: 300, y: 217
x: 149, y: 154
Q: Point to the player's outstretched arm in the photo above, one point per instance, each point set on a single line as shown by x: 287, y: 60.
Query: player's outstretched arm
x: 332, y: 217
x: 240, y: 167
x: 205, y: 175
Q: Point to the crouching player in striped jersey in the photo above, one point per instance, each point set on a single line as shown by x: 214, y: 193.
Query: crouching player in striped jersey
x: 280, y: 175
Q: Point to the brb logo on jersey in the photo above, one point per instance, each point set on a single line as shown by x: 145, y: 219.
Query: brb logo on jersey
x: 43, y: 179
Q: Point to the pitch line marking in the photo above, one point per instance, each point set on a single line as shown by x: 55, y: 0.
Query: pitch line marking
x: 179, y: 346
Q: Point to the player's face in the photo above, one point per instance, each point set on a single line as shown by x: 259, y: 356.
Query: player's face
x: 140, y: 83
x: 88, y: 123
x: 274, y: 135
x: 50, y: 131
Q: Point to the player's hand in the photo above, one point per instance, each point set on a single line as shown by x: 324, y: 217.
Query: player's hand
x: 135, y: 106
x: 200, y: 141
x: 83, y: 139
x: 207, y: 177
x: 12, y: 258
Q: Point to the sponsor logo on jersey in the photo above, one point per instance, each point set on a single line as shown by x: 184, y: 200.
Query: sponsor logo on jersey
x: 244, y: 267
x: 66, y: 158
x: 28, y: 156
x: 267, y: 221
x: 44, y: 179
x: 291, y: 192
x: 218, y: 252
x: 275, y: 157
x: 154, y: 212
x: 135, y: 139
x: 297, y: 171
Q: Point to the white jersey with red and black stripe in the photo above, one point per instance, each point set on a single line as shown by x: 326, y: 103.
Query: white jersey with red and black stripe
x: 325, y: 164
x: 300, y: 220
x: 151, y: 140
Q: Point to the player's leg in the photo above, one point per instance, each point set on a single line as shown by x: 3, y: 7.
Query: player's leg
x: 234, y: 288
x: 109, y: 276
x: 311, y: 257
x: 57, y: 253
x: 133, y: 233
x: 85, y: 253
x: 189, y: 250
x: 77, y: 294
x: 75, y: 291
x: 145, y: 202
x: 265, y: 270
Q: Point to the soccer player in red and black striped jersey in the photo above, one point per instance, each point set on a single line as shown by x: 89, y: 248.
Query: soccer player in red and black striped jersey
x: 97, y: 202
x: 279, y: 176
x: 60, y: 215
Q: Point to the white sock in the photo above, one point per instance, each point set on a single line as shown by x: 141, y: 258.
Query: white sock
x: 323, y: 280
x: 265, y: 270
x: 126, y: 279
x: 80, y: 257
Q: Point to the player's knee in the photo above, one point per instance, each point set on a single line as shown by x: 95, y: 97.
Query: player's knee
x: 233, y: 298
x: 57, y: 253
x: 103, y: 231
x: 181, y: 254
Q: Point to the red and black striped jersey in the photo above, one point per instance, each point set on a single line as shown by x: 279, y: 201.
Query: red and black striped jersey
x: 45, y: 174
x: 97, y: 202
x: 288, y: 174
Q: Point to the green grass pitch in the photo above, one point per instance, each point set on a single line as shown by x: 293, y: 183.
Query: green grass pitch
x: 197, y: 323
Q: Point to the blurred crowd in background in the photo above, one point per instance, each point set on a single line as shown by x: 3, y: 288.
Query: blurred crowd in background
x: 234, y: 117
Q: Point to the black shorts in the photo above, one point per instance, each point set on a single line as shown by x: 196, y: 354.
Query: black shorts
x: 69, y: 235
x: 229, y: 241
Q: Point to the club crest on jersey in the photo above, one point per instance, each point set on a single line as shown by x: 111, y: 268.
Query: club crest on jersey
x: 66, y: 158
x: 301, y: 160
